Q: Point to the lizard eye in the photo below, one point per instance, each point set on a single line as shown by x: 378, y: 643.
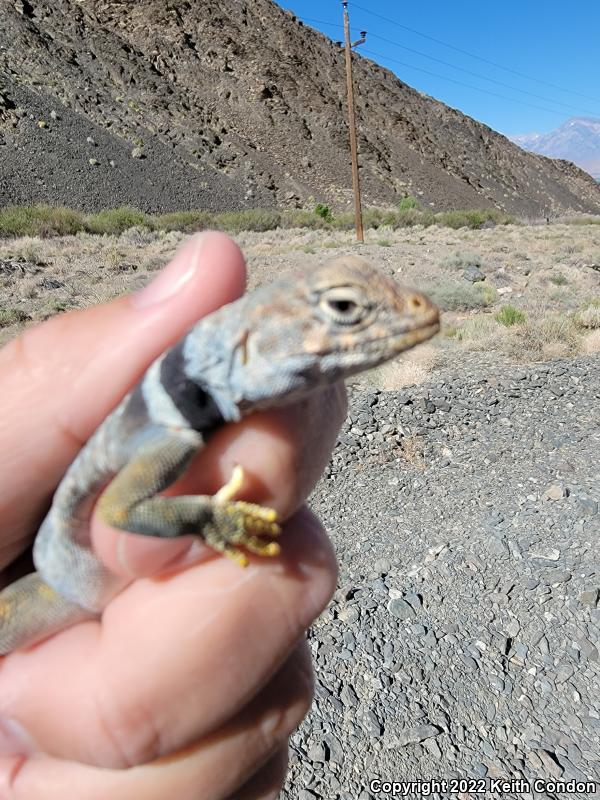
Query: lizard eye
x: 343, y: 306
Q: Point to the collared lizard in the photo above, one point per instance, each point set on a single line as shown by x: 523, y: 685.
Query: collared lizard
x: 266, y: 349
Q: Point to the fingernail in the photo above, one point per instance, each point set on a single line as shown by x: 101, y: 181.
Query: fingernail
x: 174, y: 277
x: 14, y: 739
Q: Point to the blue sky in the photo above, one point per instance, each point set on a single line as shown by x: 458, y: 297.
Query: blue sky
x: 555, y: 48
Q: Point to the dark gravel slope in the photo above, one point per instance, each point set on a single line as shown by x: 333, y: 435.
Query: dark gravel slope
x: 75, y: 161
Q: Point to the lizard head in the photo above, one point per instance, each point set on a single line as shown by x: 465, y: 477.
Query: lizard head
x: 324, y: 325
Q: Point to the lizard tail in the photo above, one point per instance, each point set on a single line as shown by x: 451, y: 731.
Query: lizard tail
x: 30, y: 611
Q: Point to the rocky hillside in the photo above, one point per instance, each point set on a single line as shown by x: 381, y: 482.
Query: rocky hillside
x: 196, y: 104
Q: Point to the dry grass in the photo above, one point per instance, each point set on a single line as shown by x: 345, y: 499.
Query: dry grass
x: 539, y: 271
x: 555, y: 336
x: 589, y: 316
x: 411, y: 451
x: 414, y: 367
x: 591, y: 343
x: 460, y: 259
x: 458, y: 295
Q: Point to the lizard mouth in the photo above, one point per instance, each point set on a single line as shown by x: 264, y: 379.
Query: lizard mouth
x: 403, y: 338
x: 381, y: 348
x: 407, y: 339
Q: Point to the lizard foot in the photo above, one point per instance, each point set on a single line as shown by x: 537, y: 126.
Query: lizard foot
x: 237, y: 523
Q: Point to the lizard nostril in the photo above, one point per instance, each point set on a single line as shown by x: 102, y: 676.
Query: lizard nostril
x: 415, y: 303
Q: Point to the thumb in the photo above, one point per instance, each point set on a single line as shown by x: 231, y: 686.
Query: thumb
x: 64, y: 376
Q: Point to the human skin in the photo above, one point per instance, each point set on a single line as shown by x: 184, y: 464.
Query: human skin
x: 198, y: 672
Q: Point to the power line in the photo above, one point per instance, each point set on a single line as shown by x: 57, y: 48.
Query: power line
x: 467, y: 71
x: 467, y: 85
x: 484, y: 77
x: 473, y: 55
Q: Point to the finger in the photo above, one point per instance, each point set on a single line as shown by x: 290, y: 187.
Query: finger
x: 211, y: 769
x: 268, y: 781
x: 283, y: 451
x: 174, y: 658
x: 61, y: 378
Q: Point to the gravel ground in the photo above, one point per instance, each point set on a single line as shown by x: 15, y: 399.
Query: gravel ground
x: 463, y: 639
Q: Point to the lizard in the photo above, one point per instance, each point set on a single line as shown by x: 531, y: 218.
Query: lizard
x: 268, y: 348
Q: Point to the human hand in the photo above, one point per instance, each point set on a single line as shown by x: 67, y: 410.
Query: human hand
x: 192, y: 681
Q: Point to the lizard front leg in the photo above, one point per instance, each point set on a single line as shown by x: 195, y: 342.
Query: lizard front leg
x: 131, y: 502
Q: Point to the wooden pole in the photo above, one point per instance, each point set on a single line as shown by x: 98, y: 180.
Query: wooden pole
x: 352, y: 125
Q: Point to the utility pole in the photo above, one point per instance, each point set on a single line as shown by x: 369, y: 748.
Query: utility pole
x: 352, y: 123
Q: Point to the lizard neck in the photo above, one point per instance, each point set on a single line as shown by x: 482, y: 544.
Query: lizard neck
x: 199, y: 406
x: 222, y: 356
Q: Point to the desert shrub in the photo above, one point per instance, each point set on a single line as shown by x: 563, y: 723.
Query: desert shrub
x: 250, y: 219
x: 588, y: 315
x: 378, y: 217
x: 459, y: 259
x: 408, y: 217
x: 344, y: 221
x: 480, y: 332
x: 583, y: 221
x: 116, y: 220
x: 322, y: 210
x: 408, y: 202
x: 452, y: 296
x: 454, y: 219
x: 39, y: 220
x: 384, y: 243
x: 10, y: 316
x: 301, y: 218
x: 112, y: 257
x: 473, y: 218
x: 558, y: 280
x: 184, y: 221
x: 44, y: 220
x: 548, y: 337
x: 509, y: 315
x: 138, y: 237
x: 30, y: 249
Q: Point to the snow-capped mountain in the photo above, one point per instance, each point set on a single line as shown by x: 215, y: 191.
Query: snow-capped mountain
x: 577, y: 140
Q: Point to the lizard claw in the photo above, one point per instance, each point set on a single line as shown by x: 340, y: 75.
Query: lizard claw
x: 237, y: 523
x: 232, y: 487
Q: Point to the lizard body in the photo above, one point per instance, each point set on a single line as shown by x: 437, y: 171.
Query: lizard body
x: 266, y: 349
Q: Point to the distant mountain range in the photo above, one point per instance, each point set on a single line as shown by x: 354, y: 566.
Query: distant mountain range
x: 577, y: 140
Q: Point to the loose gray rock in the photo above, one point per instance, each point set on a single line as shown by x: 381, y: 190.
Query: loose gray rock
x: 400, y: 609
x: 473, y: 274
x: 416, y: 734
x: 556, y: 492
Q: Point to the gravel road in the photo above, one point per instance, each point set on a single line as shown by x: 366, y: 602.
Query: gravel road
x: 463, y: 639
